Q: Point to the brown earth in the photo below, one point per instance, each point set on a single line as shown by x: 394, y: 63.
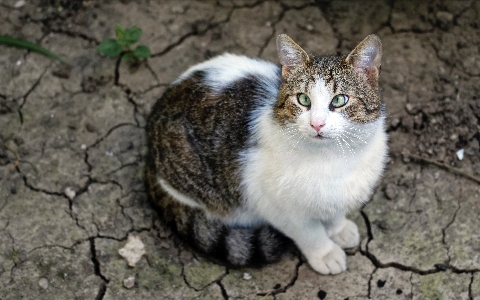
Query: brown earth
x: 72, y: 146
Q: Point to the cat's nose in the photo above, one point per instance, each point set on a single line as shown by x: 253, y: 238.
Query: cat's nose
x: 317, y: 126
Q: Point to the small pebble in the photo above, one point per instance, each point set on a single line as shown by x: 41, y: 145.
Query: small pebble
x: 43, y: 283
x: 410, y: 107
x: 460, y: 153
x: 70, y: 193
x: 19, y: 4
x: 129, y: 282
x: 391, y: 191
x: 247, y: 276
x: 109, y: 153
x: 164, y: 245
x: 83, y: 147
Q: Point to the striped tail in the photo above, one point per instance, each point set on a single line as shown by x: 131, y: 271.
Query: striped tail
x: 236, y: 246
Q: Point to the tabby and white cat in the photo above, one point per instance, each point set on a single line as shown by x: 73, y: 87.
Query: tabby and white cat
x: 245, y: 156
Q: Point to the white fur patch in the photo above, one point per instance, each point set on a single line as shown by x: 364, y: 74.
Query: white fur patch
x: 177, y: 195
x: 227, y: 68
x: 310, y: 177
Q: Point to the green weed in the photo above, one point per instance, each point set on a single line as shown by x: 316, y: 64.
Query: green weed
x: 9, y: 41
x: 122, y: 44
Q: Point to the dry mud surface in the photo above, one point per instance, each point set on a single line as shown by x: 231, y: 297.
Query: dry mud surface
x: 72, y: 146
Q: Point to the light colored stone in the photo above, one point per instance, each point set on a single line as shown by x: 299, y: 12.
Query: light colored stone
x: 133, y: 250
x: 70, y: 192
x: 43, y: 283
x: 129, y: 282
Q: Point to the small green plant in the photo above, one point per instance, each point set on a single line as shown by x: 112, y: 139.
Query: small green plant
x: 10, y: 41
x: 125, y: 39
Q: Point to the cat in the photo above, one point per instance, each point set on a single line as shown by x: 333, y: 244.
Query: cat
x: 246, y: 157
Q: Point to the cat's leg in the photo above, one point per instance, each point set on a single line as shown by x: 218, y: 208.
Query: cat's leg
x: 323, y: 255
x: 342, y: 231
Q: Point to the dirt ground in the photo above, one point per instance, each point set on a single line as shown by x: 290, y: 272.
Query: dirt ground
x: 72, y: 148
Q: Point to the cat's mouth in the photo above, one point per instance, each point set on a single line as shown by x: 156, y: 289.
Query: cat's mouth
x: 319, y: 136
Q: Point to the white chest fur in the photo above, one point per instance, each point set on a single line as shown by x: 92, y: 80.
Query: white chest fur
x: 279, y: 177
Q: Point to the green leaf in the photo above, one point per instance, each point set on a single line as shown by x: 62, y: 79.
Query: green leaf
x: 109, y: 47
x: 9, y: 41
x: 132, y: 35
x: 142, y: 52
x: 129, y: 56
x: 119, y: 31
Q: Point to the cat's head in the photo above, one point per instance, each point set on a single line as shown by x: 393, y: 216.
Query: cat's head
x: 331, y: 98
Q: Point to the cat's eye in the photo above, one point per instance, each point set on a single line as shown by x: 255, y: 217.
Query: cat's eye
x: 303, y: 99
x: 339, y: 100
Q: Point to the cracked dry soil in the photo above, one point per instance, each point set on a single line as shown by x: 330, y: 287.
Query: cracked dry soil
x: 72, y: 145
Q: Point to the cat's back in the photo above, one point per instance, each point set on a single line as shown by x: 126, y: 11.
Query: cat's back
x: 204, y: 120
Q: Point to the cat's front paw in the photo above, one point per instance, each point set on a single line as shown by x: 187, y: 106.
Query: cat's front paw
x: 334, y: 261
x: 348, y: 236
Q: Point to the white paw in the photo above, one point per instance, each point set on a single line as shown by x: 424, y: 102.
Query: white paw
x: 348, y: 236
x: 333, y: 262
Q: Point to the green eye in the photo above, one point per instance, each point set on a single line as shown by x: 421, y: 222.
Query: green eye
x: 339, y: 100
x: 303, y: 99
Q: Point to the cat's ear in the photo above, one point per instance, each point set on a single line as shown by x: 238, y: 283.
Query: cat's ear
x: 367, y: 56
x: 290, y: 54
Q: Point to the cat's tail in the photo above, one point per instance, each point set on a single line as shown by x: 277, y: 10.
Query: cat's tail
x: 236, y: 246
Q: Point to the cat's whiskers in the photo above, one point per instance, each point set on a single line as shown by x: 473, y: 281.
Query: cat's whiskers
x: 349, y: 147
x: 352, y: 135
x: 291, y: 133
x: 337, y: 140
x: 296, y: 144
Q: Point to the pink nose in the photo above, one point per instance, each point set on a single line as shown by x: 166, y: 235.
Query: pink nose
x: 317, y: 126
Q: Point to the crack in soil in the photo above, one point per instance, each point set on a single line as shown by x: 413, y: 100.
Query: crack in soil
x: 13, y: 252
x: 470, y: 292
x: 411, y: 286
x: 447, y: 226
x: 369, y: 291
x: 63, y: 195
x: 378, y: 264
x: 290, y: 283
x: 78, y: 242
x: 210, y: 26
x: 269, y: 38
x: 30, y: 90
x: 216, y: 281
x: 74, y: 34
x: 96, y: 262
x: 222, y: 289
x: 101, y: 291
x: 322, y: 7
